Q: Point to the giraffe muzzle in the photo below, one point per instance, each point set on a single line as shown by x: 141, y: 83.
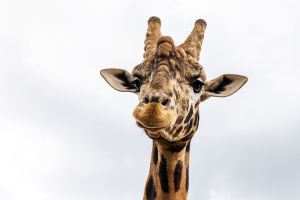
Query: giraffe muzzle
x: 154, y: 115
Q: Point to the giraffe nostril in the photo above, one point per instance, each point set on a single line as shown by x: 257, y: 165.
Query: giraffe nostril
x: 146, y: 100
x: 165, y: 102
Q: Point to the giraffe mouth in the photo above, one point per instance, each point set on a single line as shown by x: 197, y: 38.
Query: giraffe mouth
x: 149, y: 129
x: 154, y: 116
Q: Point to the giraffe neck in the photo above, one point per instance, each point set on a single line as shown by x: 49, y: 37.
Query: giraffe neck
x: 168, y: 177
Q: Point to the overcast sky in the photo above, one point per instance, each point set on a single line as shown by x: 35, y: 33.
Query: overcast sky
x: 66, y: 135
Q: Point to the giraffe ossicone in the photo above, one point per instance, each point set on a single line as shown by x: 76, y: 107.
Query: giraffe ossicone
x: 170, y: 84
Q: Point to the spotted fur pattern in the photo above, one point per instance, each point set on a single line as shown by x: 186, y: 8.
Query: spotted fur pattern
x: 168, y: 72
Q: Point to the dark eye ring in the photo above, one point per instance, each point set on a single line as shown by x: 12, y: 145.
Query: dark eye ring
x: 137, y: 84
x: 197, y: 85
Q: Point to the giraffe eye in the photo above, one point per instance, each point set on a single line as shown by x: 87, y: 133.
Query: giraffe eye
x: 137, y: 84
x: 197, y: 85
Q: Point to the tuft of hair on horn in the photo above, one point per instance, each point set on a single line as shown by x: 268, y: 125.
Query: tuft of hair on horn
x: 154, y: 19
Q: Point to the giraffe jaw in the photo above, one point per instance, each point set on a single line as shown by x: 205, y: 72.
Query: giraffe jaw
x: 154, y: 116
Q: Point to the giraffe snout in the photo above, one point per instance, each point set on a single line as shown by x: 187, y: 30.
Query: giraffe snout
x: 155, y: 111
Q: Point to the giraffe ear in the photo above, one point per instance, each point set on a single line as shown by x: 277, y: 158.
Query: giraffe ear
x: 118, y: 79
x: 223, y: 86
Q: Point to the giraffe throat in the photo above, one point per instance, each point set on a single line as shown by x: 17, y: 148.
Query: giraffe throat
x: 168, y: 177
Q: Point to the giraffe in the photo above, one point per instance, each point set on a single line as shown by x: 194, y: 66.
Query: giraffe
x: 170, y: 84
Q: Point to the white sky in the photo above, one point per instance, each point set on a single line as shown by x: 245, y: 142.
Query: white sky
x: 65, y: 134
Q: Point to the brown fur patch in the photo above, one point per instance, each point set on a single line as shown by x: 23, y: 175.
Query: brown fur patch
x: 153, y: 115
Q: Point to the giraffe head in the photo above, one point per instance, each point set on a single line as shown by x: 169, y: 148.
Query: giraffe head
x: 170, y: 84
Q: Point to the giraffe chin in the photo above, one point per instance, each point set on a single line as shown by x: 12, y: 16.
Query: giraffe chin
x: 154, y: 116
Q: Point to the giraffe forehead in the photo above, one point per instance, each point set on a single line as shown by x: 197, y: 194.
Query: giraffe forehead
x: 171, y: 67
x: 168, y: 80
